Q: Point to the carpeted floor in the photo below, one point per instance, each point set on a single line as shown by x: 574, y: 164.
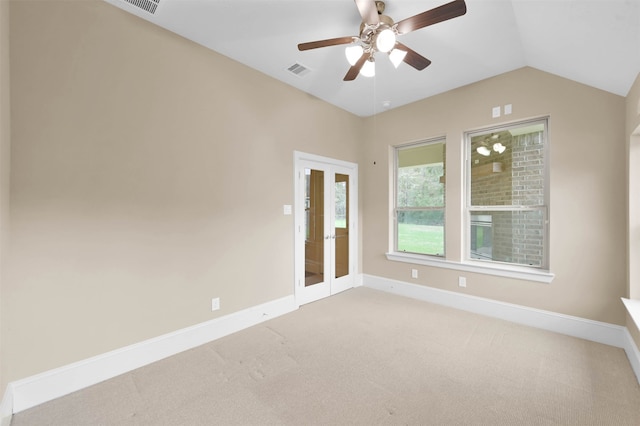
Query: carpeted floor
x: 365, y: 357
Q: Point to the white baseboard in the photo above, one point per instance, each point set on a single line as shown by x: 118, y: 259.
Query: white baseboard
x: 6, y: 407
x: 34, y: 390
x: 601, y: 332
x: 632, y: 353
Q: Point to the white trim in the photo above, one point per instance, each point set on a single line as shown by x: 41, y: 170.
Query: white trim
x: 6, y: 406
x: 633, y: 307
x: 633, y: 353
x: 34, y: 390
x: 468, y: 207
x: 595, y: 331
x: 332, y: 286
x: 508, y: 271
x: 304, y: 156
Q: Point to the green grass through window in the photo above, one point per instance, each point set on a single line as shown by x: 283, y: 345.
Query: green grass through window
x: 422, y: 239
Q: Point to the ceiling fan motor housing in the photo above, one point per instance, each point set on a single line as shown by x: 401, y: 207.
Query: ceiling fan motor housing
x: 369, y: 31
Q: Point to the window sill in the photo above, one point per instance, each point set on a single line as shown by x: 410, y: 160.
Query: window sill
x: 496, y: 270
x: 633, y: 307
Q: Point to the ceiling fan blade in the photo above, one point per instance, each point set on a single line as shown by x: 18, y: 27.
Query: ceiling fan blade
x: 413, y: 58
x: 325, y: 43
x: 441, y: 13
x: 354, y: 70
x: 368, y: 11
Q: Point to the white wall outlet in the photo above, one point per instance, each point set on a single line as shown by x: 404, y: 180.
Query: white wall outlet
x: 507, y: 109
x: 286, y: 209
x: 414, y: 273
x: 495, y: 112
x: 215, y: 303
x: 462, y: 282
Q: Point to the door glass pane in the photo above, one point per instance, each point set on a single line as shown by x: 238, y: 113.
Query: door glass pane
x: 314, y: 224
x: 341, y: 225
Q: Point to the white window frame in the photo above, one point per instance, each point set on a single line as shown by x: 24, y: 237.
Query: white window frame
x: 468, y: 208
x: 394, y: 193
x: 456, y: 260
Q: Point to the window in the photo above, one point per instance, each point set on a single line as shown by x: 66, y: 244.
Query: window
x: 507, y: 196
x: 420, y: 198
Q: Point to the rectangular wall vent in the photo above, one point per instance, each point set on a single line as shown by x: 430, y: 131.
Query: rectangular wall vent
x: 299, y: 70
x: 146, y: 5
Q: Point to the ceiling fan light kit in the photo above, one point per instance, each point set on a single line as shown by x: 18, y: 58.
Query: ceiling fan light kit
x: 385, y: 40
x: 368, y: 68
x: 353, y: 53
x: 379, y: 33
x: 490, y: 143
x: 483, y: 150
x: 396, y: 56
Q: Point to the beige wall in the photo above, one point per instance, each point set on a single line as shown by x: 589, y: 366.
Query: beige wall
x: 148, y: 176
x: 587, y: 180
x: 5, y: 155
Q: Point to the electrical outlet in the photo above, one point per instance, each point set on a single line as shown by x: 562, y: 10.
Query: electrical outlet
x: 215, y: 303
x: 414, y: 273
x: 462, y: 282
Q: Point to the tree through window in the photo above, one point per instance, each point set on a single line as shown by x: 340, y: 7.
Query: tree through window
x: 420, y: 198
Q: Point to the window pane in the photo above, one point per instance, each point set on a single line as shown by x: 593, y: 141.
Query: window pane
x: 420, y: 186
x: 507, y: 167
x: 507, y: 198
x: 420, y: 198
x: 421, y: 231
x: 420, y: 176
x: 508, y: 236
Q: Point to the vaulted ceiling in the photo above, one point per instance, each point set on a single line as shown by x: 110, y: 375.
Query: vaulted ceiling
x: 594, y: 42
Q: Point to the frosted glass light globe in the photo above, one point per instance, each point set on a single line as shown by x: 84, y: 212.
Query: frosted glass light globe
x: 353, y: 53
x: 385, y: 40
x: 369, y: 68
x: 396, y: 57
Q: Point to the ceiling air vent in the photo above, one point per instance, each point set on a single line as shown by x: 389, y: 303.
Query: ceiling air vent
x: 147, y: 5
x: 299, y: 70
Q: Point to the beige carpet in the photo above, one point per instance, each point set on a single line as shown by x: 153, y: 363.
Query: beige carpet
x: 365, y: 357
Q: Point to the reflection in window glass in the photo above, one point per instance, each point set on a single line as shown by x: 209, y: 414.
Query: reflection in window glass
x: 507, y: 207
x: 341, y: 204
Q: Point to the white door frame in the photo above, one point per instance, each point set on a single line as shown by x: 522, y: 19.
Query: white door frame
x: 305, y: 295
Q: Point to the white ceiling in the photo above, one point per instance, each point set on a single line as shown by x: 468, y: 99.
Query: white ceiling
x: 595, y: 42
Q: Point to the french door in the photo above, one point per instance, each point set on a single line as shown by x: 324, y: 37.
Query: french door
x: 326, y: 225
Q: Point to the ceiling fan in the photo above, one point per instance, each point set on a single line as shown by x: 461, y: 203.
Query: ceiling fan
x: 378, y: 33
